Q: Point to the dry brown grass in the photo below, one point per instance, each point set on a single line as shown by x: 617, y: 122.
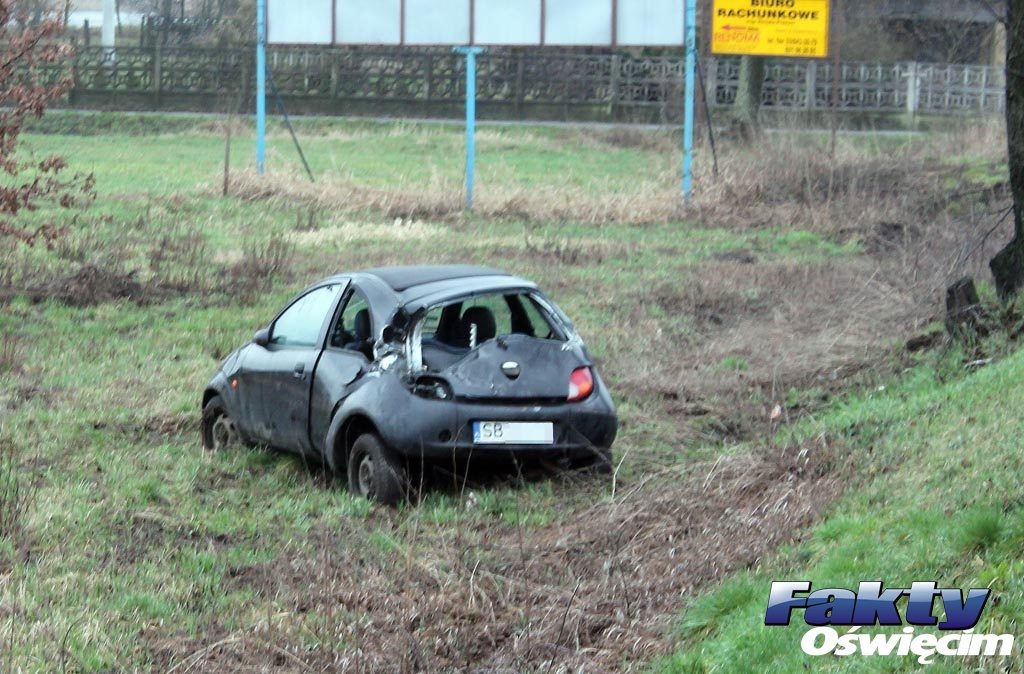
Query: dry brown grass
x: 788, y: 182
x: 648, y: 202
x: 595, y: 594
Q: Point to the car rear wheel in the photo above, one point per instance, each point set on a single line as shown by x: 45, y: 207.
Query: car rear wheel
x: 374, y: 472
x: 218, y: 429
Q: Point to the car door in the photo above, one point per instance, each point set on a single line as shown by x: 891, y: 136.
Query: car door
x: 278, y: 377
x: 348, y: 354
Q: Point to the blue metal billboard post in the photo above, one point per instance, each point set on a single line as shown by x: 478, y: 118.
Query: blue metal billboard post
x: 261, y: 85
x: 470, y: 53
x: 690, y: 97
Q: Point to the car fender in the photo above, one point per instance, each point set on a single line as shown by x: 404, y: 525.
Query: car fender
x: 220, y: 386
x: 380, y: 400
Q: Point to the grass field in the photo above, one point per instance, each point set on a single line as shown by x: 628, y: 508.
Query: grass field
x: 127, y: 548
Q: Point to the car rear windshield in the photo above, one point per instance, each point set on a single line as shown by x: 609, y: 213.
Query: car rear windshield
x: 467, y: 323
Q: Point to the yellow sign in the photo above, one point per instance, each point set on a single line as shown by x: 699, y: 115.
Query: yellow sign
x: 795, y: 28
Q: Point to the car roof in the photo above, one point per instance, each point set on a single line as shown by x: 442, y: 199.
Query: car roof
x: 401, y: 279
x: 416, y: 288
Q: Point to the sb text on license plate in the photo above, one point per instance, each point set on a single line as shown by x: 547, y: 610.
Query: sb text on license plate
x: 513, y: 433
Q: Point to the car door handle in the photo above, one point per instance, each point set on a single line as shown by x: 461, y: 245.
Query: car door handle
x: 300, y: 371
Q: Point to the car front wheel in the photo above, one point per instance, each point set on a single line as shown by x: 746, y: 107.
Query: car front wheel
x: 219, y: 429
x: 374, y: 472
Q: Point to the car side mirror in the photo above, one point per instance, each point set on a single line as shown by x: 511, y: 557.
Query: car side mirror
x: 262, y: 338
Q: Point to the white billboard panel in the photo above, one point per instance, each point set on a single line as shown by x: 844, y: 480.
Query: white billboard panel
x: 437, y: 22
x: 299, y: 22
x: 507, y: 22
x: 577, y: 22
x: 649, y: 22
x: 366, y: 21
x: 480, y: 22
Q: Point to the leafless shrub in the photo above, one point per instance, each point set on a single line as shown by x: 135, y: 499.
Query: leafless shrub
x: 307, y: 219
x: 789, y: 180
x: 569, y: 251
x: 181, y: 261
x: 93, y: 244
x: 261, y: 264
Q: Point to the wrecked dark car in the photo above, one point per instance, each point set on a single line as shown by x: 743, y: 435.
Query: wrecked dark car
x: 381, y: 373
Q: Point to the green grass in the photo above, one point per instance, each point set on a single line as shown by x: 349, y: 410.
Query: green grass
x: 936, y: 471
x: 135, y: 537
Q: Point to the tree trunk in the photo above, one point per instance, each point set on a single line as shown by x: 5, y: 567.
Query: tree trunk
x: 747, y: 108
x: 1008, y: 266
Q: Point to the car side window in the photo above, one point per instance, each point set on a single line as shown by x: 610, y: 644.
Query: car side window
x: 300, y: 324
x: 353, y: 330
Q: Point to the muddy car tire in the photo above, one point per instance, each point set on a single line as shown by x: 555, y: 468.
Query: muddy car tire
x: 599, y: 463
x: 374, y: 472
x: 219, y: 430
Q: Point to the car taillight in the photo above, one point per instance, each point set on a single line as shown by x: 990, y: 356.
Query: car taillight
x: 581, y: 384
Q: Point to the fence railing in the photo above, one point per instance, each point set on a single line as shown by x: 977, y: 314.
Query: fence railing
x: 513, y: 84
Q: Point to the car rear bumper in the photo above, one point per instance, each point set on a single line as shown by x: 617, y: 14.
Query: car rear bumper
x: 435, y: 430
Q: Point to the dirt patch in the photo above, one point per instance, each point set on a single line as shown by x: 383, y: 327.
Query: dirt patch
x: 155, y: 428
x: 587, y: 595
x: 90, y: 285
x: 26, y: 393
x: 140, y: 534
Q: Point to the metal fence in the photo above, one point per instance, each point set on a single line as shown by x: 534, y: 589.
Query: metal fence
x: 513, y: 84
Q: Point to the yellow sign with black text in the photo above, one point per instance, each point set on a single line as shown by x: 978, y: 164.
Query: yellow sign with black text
x: 795, y: 28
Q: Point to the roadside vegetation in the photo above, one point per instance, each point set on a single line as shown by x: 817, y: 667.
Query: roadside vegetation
x: 932, y: 468
x: 744, y: 338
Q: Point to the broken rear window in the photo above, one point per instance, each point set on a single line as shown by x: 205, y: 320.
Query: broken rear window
x: 452, y: 330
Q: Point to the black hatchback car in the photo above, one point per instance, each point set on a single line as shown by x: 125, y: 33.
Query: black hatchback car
x: 382, y: 372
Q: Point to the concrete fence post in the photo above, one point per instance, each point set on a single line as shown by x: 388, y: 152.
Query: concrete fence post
x: 613, y: 92
x: 520, y: 93
x: 711, y: 80
x: 913, y: 89
x: 983, y: 97
x: 157, y: 76
x: 335, y: 76
x: 811, y: 82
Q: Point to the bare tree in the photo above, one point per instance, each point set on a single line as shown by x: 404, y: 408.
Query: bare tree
x: 746, y: 111
x: 1008, y: 266
x: 27, y: 48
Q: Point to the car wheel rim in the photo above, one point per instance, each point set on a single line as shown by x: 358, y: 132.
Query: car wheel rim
x: 224, y: 432
x: 365, y: 476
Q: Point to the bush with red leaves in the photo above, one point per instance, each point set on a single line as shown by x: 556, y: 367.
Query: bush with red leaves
x: 31, y: 50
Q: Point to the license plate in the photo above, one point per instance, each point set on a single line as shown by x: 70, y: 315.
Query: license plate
x: 513, y: 433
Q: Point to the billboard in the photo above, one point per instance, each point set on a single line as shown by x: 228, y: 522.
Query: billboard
x: 476, y: 22
x: 794, y: 28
